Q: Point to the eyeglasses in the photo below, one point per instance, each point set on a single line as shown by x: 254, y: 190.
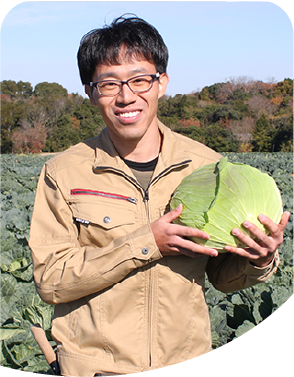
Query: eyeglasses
x: 137, y: 84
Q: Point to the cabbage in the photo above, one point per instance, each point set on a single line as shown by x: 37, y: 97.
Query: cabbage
x: 220, y: 196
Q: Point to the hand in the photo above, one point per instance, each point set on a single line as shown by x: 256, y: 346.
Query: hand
x: 261, y: 250
x: 170, y: 238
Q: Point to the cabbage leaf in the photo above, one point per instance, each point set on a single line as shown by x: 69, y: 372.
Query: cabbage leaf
x: 220, y: 196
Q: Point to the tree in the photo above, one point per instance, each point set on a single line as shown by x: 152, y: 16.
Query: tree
x: 185, y: 123
x: 9, y: 87
x: 16, y: 90
x: 24, y: 89
x: 63, y: 135
x: 46, y: 89
x: 263, y: 135
x: 221, y: 139
x: 284, y: 88
x: 31, y: 140
x: 12, y: 114
x: 283, y: 139
x: 194, y: 132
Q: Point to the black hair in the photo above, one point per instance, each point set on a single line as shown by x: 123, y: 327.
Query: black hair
x: 106, y: 46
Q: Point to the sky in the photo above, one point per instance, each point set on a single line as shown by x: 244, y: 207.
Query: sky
x: 208, y: 41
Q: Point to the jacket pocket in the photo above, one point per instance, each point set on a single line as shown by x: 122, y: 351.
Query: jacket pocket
x: 100, y: 221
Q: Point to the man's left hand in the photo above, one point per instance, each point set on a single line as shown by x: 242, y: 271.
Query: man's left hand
x: 260, y: 250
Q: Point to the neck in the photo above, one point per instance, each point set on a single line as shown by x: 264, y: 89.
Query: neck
x: 147, y: 148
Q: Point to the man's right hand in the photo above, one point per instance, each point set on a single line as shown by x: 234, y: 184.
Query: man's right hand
x: 171, y: 238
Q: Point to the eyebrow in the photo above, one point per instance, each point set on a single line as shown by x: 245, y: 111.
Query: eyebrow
x: 114, y: 74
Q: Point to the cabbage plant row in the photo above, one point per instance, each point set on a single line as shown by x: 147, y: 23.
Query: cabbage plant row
x: 231, y: 314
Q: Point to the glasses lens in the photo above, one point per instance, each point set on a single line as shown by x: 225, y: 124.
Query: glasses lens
x: 137, y: 84
x: 141, y: 83
x: 109, y: 87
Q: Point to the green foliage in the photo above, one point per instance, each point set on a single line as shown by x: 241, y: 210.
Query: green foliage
x: 193, y: 132
x: 283, y: 139
x: 63, y: 135
x: 21, y: 307
x: 49, y: 89
x: 263, y: 135
x: 85, y: 122
x: 16, y: 90
x: 220, y: 139
x: 284, y: 88
x: 11, y: 116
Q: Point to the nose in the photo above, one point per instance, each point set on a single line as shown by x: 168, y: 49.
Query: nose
x: 126, y: 95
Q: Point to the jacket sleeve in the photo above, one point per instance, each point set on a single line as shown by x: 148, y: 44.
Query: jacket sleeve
x: 230, y: 272
x: 64, y: 270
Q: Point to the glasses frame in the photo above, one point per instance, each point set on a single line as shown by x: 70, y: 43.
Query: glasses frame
x: 153, y: 77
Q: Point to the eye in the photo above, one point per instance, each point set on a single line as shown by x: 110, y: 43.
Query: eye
x: 108, y: 85
x: 140, y: 81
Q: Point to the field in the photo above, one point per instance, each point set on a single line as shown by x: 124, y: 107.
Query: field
x: 231, y: 314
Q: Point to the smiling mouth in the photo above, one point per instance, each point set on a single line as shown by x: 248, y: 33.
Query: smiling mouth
x: 130, y: 114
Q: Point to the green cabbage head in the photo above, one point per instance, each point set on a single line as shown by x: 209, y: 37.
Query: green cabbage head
x: 220, y: 196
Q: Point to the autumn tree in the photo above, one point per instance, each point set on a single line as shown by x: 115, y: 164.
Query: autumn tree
x: 31, y: 140
x: 191, y: 122
x: 12, y: 114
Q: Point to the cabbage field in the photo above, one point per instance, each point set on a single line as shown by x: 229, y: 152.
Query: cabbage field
x: 231, y: 314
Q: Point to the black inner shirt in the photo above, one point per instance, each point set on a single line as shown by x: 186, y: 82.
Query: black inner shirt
x: 143, y: 171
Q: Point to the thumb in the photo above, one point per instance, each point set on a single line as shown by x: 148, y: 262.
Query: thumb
x: 173, y: 214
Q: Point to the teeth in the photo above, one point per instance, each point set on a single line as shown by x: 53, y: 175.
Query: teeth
x: 130, y: 114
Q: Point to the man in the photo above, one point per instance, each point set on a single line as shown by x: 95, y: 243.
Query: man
x: 127, y: 282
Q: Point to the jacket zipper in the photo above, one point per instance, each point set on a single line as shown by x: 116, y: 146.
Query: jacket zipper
x: 150, y: 286
x: 146, y: 192
x: 150, y: 271
x: 103, y: 194
x: 146, y: 200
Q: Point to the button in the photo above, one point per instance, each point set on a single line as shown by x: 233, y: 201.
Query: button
x: 106, y: 220
x: 145, y: 250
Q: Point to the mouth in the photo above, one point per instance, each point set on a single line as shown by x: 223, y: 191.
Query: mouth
x: 128, y: 116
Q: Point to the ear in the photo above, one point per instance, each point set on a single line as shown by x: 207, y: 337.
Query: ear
x: 163, y: 81
x: 90, y: 93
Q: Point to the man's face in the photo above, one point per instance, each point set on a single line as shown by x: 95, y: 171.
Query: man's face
x: 128, y: 116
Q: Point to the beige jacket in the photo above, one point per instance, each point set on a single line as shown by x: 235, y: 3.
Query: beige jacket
x: 120, y: 306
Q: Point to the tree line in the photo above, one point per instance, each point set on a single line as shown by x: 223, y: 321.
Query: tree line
x: 240, y: 115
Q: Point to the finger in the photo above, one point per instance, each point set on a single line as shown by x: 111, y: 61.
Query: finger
x: 173, y: 214
x: 248, y: 253
x: 284, y: 220
x: 184, y: 246
x: 248, y: 241
x: 185, y: 231
x: 276, y: 230
x: 271, y: 241
x: 271, y: 226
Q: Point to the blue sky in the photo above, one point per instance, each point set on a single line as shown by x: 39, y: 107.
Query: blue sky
x: 209, y: 41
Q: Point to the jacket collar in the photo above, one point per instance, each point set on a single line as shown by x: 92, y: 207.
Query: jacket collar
x: 106, y: 155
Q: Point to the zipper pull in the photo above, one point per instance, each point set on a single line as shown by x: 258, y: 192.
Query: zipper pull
x: 146, y: 199
x: 133, y: 200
